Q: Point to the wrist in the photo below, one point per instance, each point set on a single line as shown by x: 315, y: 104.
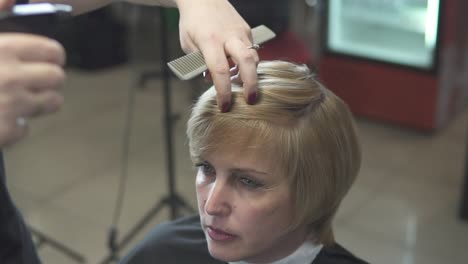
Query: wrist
x: 187, y: 4
x: 181, y: 4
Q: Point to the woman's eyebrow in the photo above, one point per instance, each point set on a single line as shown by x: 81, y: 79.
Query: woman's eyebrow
x: 247, y: 170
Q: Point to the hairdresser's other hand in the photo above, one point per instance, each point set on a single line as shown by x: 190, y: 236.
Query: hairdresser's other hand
x: 31, y: 77
x: 216, y: 29
x: 6, y: 4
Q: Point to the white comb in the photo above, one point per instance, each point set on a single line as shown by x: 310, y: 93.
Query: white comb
x: 193, y: 64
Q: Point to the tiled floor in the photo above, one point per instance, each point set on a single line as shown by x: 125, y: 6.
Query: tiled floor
x: 64, y: 176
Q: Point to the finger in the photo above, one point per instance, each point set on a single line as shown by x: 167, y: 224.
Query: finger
x: 35, y: 105
x: 247, y: 60
x: 11, y: 132
x: 20, y: 106
x: 31, y: 48
x: 38, y: 77
x: 232, y: 72
x: 218, y: 66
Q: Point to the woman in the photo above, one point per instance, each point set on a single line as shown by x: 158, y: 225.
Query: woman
x: 270, y: 178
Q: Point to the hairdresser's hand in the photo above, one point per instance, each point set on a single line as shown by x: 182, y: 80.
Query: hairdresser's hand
x: 216, y: 29
x: 6, y: 4
x: 31, y: 77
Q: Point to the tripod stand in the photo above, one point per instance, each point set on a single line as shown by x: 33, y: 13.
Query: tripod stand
x: 41, y: 238
x: 45, y: 239
x: 172, y: 199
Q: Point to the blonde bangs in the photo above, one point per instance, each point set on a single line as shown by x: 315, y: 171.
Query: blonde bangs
x: 221, y: 132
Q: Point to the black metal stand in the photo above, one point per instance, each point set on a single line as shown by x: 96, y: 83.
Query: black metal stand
x: 45, y: 239
x: 464, y: 196
x: 172, y: 199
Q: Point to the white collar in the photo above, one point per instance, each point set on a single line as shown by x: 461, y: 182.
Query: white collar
x: 306, y: 253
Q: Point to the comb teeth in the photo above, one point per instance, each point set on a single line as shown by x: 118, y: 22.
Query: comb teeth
x: 188, y: 66
x: 193, y: 64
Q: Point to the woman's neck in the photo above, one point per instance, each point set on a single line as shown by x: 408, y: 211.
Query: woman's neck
x: 305, y: 253
x: 283, y: 247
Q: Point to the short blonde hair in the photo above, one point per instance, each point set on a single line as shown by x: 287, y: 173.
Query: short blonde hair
x: 308, y: 128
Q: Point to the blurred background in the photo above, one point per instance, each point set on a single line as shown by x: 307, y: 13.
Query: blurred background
x: 401, y: 65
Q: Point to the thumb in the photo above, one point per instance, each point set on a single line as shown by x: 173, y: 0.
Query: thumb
x: 6, y: 4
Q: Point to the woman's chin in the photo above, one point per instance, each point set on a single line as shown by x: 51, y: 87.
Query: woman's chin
x: 223, y: 255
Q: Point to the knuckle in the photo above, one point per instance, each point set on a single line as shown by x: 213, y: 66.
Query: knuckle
x: 206, y: 37
x: 56, y: 76
x: 9, y: 83
x: 54, y: 52
x: 212, y: 37
x: 249, y: 56
x: 11, y: 76
x: 220, y: 69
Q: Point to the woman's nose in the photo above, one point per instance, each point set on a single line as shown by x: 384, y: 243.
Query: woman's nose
x: 217, y: 203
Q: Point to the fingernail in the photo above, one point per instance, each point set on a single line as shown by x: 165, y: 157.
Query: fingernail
x: 252, y: 98
x: 226, y: 107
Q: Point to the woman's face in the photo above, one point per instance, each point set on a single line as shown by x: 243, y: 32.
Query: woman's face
x: 245, y: 207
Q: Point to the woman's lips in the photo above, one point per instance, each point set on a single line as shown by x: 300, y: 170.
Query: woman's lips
x: 218, y: 235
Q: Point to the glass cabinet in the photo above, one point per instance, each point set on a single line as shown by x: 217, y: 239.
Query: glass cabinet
x: 396, y: 31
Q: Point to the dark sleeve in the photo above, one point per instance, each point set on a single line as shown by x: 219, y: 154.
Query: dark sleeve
x: 16, y: 246
x: 336, y: 254
x: 177, y: 242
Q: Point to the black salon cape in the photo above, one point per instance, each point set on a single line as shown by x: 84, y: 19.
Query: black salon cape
x: 16, y: 245
x: 182, y: 241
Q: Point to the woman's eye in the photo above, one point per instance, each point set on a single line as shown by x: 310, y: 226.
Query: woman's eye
x: 249, y: 183
x: 206, y: 168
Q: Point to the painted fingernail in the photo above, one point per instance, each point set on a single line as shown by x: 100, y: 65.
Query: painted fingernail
x: 226, y: 107
x: 252, y: 98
